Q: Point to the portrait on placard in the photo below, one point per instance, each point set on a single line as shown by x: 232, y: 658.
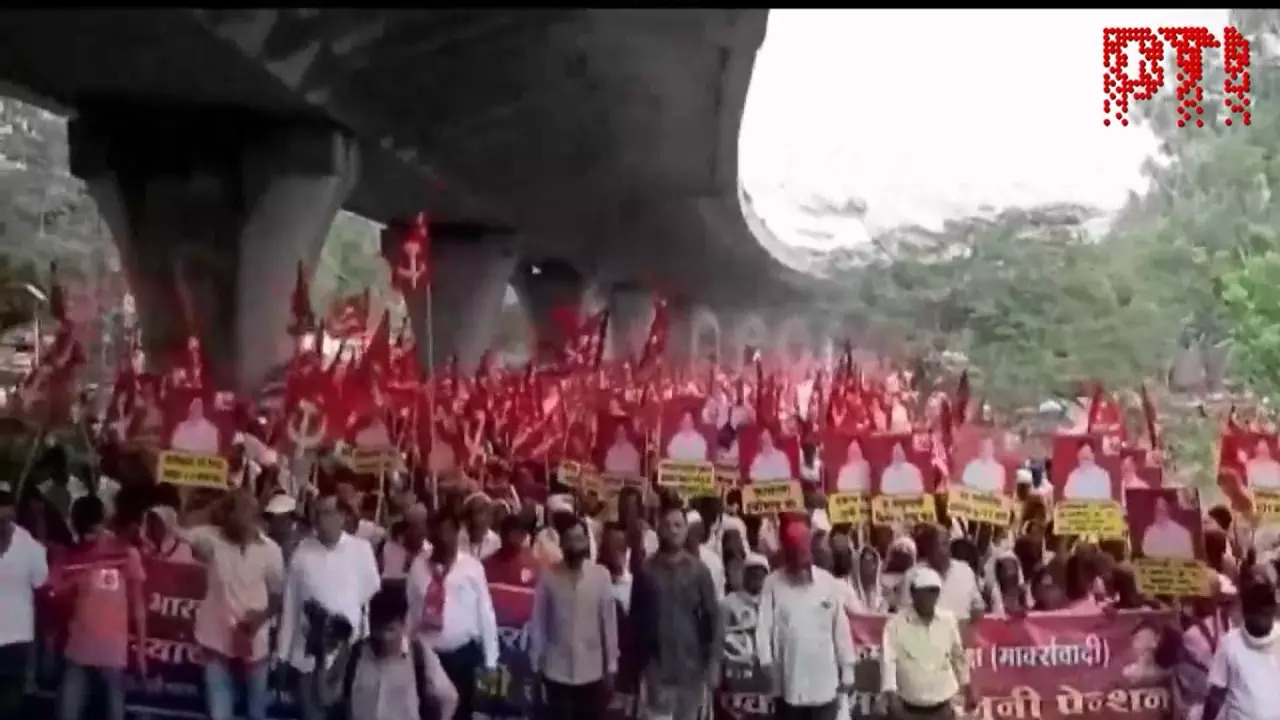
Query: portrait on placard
x: 844, y: 457
x: 1257, y: 456
x: 980, y: 461
x: 898, y: 467
x: 1164, y: 523
x: 685, y: 437
x: 619, y: 446
x: 198, y: 422
x: 767, y: 455
x: 1086, y: 467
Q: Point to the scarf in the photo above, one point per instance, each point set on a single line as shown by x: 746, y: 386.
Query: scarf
x: 869, y: 598
x: 433, y: 600
x: 993, y: 582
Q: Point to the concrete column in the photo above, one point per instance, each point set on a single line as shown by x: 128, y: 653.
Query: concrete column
x: 212, y: 210
x: 543, y: 288
x: 469, y: 279
x: 630, y: 316
x: 706, y: 338
x: 749, y: 332
x: 794, y: 341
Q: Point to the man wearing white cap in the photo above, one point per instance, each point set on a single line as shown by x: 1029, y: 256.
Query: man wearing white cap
x: 923, y: 665
x: 696, y: 543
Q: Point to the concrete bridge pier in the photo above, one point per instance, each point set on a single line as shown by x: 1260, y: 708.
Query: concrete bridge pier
x: 469, y: 277
x: 212, y: 209
x: 546, y: 288
x: 630, y: 316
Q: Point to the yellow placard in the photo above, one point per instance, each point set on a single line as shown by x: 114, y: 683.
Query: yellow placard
x: 1103, y: 519
x: 192, y: 470
x: 371, y: 460
x: 976, y: 506
x: 688, y: 479
x: 1266, y: 505
x: 1171, y: 576
x: 852, y: 508
x: 772, y: 498
x: 903, y: 509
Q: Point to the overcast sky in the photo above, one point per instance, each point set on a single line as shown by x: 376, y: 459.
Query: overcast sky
x: 929, y: 114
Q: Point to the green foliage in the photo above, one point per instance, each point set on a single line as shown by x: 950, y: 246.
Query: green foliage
x: 1037, y: 304
x: 45, y: 214
x: 1251, y: 296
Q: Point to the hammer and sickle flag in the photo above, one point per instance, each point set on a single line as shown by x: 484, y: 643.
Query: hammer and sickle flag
x: 407, y: 248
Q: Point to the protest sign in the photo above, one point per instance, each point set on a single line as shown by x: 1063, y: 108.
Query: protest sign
x: 1039, y: 667
x: 852, y: 508
x: 185, y: 469
x: 772, y: 498
x: 688, y: 479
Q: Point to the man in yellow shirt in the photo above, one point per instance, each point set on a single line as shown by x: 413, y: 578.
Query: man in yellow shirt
x: 923, y: 663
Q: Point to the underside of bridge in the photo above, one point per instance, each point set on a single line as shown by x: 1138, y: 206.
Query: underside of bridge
x: 602, y: 144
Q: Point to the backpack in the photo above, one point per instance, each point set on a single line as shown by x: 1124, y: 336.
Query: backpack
x: 426, y: 707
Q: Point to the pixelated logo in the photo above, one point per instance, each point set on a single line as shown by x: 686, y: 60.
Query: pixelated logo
x: 1141, y: 49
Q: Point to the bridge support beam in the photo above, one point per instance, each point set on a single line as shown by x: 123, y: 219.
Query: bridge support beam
x: 212, y: 210
x: 630, y: 315
x: 469, y: 279
x: 544, y: 289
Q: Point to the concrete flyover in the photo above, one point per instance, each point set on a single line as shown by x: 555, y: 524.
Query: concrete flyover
x: 558, y: 149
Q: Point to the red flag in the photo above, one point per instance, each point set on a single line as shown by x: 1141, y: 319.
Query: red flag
x: 57, y: 298
x: 407, y: 247
x: 302, y: 319
x: 349, y: 317
x: 960, y: 412
x: 655, y: 345
x: 1149, y: 415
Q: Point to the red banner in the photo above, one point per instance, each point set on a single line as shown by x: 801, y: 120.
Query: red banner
x: 1039, y: 667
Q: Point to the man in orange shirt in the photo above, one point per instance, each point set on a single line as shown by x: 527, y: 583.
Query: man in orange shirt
x: 101, y: 581
x: 513, y: 563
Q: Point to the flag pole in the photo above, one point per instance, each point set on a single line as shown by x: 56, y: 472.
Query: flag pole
x: 431, y: 403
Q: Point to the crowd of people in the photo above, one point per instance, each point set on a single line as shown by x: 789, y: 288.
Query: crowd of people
x: 391, y: 617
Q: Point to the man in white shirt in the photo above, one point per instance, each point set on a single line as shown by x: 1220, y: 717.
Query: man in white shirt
x: 803, y: 639
x: 331, y: 574
x: 622, y: 458
x: 855, y: 474
x: 23, y: 568
x: 688, y: 444
x: 985, y: 473
x: 451, y: 608
x: 770, y: 464
x: 1088, y: 481
x: 923, y: 664
x: 1262, y: 471
x: 1166, y: 537
x: 196, y: 434
x: 901, y: 477
x: 1245, y: 672
x: 960, y: 592
x: 478, y: 538
x: 696, y: 542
